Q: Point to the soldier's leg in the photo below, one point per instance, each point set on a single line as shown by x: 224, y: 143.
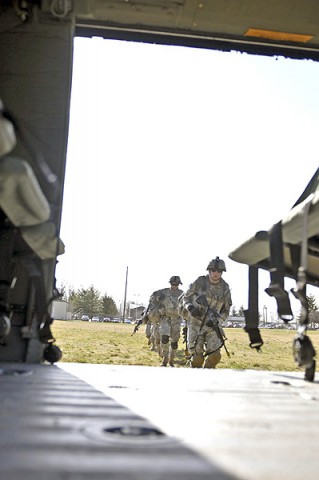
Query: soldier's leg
x: 196, y: 346
x: 197, y: 360
x: 157, y: 338
x: 172, y: 353
x: 213, y: 344
x: 164, y: 335
x: 148, y: 332
x: 175, y: 334
x: 165, y: 349
x: 152, y: 339
x: 153, y: 346
x: 212, y: 359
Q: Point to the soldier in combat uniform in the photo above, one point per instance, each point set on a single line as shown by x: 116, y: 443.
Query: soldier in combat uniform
x: 152, y: 319
x: 166, y: 305
x: 209, y: 293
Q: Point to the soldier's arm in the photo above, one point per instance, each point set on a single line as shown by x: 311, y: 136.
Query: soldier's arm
x: 145, y: 318
x: 190, y: 295
x: 152, y: 303
x: 157, y: 303
x: 189, y: 300
x: 224, y: 312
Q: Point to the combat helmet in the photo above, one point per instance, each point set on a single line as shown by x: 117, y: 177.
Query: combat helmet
x: 217, y: 264
x: 175, y: 280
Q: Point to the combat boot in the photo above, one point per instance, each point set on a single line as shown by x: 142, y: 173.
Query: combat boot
x: 164, y: 362
x: 171, y: 362
x: 212, y: 359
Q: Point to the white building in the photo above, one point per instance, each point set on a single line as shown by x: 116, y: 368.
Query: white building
x: 59, y: 310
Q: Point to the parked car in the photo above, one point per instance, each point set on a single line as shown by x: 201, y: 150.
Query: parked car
x: 85, y: 317
x: 95, y: 319
x: 106, y: 319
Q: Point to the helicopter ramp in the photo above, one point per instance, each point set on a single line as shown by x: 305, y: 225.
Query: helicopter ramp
x: 76, y: 421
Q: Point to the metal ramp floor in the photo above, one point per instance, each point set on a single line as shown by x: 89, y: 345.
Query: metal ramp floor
x: 75, y: 421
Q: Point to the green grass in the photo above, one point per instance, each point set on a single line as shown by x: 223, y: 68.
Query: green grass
x: 112, y: 343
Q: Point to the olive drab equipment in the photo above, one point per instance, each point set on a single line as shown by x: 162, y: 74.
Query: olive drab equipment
x: 137, y: 326
x: 175, y: 280
x: 29, y: 241
x: 216, y: 264
x: 210, y: 318
x: 144, y: 319
x: 288, y: 249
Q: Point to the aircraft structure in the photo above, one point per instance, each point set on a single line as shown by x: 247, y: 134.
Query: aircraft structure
x: 36, y: 52
x: 55, y: 426
x: 289, y: 248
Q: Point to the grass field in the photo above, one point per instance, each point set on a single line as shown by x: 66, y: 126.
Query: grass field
x: 112, y: 343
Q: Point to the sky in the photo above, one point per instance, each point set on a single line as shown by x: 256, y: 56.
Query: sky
x: 177, y: 155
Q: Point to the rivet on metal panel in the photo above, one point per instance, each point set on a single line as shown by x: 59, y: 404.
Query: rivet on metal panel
x: 133, y: 430
x: 135, y: 433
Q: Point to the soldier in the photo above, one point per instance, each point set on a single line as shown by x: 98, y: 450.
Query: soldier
x: 208, y: 297
x: 152, y: 331
x: 166, y: 306
x: 151, y: 318
x: 148, y: 334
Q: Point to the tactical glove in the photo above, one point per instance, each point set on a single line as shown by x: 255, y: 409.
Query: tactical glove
x: 195, y: 312
x: 210, y: 322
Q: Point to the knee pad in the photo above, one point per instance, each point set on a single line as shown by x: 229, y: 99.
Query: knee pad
x: 174, y: 345
x: 212, y: 359
x: 197, y: 360
x: 165, y: 339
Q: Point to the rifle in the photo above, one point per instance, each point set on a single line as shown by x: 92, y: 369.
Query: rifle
x: 184, y: 334
x: 137, y: 326
x: 214, y: 324
x: 141, y: 320
x: 213, y: 321
x: 145, y: 313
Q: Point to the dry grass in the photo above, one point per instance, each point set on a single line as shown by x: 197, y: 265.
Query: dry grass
x: 111, y: 343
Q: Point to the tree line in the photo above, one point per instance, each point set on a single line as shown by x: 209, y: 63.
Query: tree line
x: 89, y: 301
x: 237, y: 313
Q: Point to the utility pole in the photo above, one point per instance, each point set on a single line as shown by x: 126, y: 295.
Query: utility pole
x: 125, y: 293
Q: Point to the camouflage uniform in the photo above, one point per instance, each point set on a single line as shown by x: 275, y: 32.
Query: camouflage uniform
x: 165, y: 305
x: 152, y: 319
x: 155, y: 339
x: 148, y: 334
x: 202, y: 340
x: 152, y: 326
